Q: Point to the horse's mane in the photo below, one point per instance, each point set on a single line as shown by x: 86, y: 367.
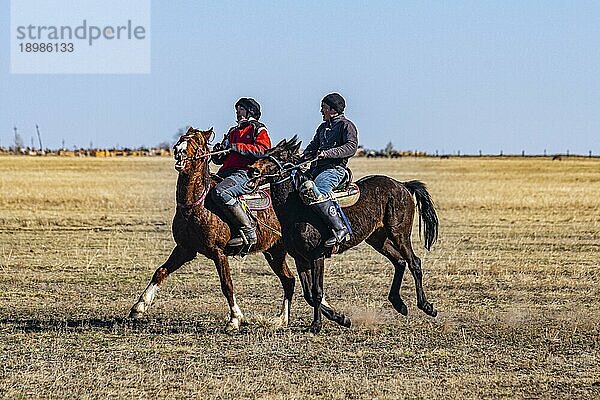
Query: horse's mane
x: 287, y: 151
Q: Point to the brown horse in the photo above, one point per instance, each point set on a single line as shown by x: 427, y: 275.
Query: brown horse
x: 197, y: 230
x: 383, y: 217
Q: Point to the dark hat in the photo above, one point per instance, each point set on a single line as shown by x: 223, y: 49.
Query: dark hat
x: 335, y: 101
x: 250, y: 105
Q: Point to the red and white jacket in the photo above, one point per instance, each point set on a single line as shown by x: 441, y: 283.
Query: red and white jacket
x: 249, y: 135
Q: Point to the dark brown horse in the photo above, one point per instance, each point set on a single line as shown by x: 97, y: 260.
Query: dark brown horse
x: 197, y: 230
x: 383, y: 217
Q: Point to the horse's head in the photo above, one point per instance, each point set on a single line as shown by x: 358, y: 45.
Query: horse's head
x: 192, y: 147
x: 269, y: 167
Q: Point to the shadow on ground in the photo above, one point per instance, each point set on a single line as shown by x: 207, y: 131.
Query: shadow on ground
x: 124, y: 326
x: 112, y: 325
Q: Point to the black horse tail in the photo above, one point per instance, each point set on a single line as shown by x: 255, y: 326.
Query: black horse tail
x: 426, y: 211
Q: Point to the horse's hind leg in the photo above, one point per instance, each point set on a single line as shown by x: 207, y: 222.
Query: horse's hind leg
x: 276, y: 258
x: 383, y: 245
x: 414, y: 265
x: 417, y: 272
x: 399, y: 226
x: 178, y: 257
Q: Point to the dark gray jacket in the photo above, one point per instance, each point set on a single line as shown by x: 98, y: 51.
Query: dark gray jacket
x: 338, y: 139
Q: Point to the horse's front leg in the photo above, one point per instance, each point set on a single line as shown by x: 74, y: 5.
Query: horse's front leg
x: 317, y: 268
x: 236, y: 317
x: 306, y: 279
x: 178, y: 257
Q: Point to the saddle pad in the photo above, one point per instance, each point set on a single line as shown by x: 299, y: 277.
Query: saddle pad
x: 257, y: 201
x: 346, y: 198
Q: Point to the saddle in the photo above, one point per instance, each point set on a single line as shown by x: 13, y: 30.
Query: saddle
x: 257, y: 201
x: 348, y: 196
x: 347, y: 192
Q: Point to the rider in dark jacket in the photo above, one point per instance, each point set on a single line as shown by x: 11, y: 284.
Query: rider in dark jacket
x: 335, y: 141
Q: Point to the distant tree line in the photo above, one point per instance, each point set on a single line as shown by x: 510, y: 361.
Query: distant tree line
x: 165, y: 149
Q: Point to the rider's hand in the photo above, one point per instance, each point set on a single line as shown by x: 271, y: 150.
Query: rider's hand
x: 321, y: 154
x: 309, y: 155
x: 218, y: 159
x: 218, y: 147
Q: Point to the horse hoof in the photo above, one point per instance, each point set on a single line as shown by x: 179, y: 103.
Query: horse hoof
x: 401, y: 308
x: 136, y: 311
x: 231, y: 328
x: 346, y: 322
x: 428, y: 309
x: 314, y: 329
x: 398, y: 304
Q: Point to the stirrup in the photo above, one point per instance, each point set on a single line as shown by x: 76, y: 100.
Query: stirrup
x: 238, y: 251
x: 334, y: 240
x: 236, y: 241
x: 241, y: 250
x: 241, y: 240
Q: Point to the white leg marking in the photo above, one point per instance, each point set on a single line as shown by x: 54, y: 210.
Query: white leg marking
x: 285, y: 312
x: 149, y: 293
x: 235, y: 317
x: 144, y: 301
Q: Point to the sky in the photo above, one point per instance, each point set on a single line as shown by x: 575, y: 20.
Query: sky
x: 451, y: 76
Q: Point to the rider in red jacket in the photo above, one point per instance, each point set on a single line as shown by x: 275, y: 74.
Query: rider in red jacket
x: 248, y: 137
x: 247, y: 141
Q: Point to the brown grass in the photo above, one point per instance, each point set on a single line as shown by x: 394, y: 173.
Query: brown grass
x: 514, y: 275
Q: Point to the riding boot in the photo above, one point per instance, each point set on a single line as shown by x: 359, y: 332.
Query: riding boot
x: 239, y: 219
x: 329, y: 213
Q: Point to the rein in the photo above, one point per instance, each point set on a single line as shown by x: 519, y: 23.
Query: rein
x: 275, y: 231
x: 196, y: 157
x: 287, y: 167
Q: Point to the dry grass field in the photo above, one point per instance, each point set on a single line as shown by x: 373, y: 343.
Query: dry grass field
x: 515, y: 276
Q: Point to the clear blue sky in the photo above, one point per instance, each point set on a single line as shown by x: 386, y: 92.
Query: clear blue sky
x: 447, y: 76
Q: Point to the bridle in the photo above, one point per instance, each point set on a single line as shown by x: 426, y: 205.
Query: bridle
x: 196, y: 156
x: 284, y: 168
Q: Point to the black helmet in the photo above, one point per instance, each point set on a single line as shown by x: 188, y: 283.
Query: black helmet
x: 250, y: 105
x: 335, y: 101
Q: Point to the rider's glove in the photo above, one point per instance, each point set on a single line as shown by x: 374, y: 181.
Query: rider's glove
x: 309, y: 155
x: 218, y: 147
x: 219, y: 158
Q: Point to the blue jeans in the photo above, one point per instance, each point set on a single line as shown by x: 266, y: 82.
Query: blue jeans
x: 328, y: 180
x: 229, y: 189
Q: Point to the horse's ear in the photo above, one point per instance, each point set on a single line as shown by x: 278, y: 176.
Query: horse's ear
x: 209, y: 134
x: 297, y: 147
x: 190, y: 130
x: 293, y: 142
x: 281, y: 143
